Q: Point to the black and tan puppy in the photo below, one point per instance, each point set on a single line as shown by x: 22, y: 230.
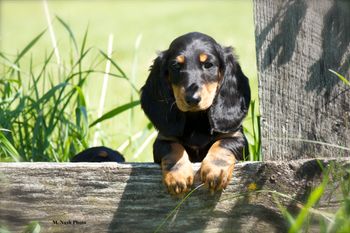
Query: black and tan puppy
x: 196, y: 96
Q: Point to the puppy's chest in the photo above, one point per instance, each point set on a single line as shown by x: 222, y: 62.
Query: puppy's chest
x: 197, y: 137
x: 197, y: 131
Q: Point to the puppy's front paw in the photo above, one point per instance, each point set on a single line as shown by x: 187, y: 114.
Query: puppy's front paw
x: 216, y: 171
x: 178, y: 178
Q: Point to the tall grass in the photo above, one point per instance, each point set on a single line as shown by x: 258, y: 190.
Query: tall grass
x: 251, y: 128
x: 36, y: 109
x: 44, y: 113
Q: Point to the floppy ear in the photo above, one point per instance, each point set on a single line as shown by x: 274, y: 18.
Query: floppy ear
x: 231, y: 103
x: 158, y: 102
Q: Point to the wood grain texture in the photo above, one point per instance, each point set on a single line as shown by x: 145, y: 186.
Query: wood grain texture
x: 111, y: 197
x: 297, y: 41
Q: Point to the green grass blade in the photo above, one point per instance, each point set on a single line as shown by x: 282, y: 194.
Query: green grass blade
x: 341, y: 77
x: 8, y: 147
x: 114, y: 64
x: 313, y: 198
x: 47, y: 95
x: 33, y: 227
x: 56, y: 115
x: 82, y: 49
x: 78, y: 63
x: 46, y: 63
x: 284, y: 211
x: 70, y: 32
x: 81, y: 97
x: 7, y: 62
x: 115, y: 112
x: 258, y: 136
x: 29, y: 46
x: 81, y: 113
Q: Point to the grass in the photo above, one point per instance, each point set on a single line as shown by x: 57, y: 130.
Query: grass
x: 37, y: 110
x: 44, y: 112
x: 53, y: 102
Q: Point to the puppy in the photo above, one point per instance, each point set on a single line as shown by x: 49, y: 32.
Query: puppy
x: 196, y: 95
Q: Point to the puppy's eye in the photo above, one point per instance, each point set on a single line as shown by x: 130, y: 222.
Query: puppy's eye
x: 207, y: 65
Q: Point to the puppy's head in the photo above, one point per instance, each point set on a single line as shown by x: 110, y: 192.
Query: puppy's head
x: 195, y: 74
x: 193, y: 63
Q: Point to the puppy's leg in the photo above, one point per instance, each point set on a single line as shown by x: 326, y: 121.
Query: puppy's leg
x: 217, y: 167
x: 176, y: 167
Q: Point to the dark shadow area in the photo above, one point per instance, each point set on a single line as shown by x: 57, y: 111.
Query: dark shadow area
x: 255, y: 208
x: 291, y: 15
x: 301, y: 148
x: 246, y: 216
x: 144, y: 205
x: 335, y: 50
x: 307, y: 174
x: 259, y: 217
x: 310, y: 175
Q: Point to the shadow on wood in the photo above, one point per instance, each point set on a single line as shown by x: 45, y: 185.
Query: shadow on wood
x: 111, y: 197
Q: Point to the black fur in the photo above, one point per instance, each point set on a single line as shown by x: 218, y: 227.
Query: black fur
x: 196, y: 131
x: 98, y: 154
x: 232, y: 102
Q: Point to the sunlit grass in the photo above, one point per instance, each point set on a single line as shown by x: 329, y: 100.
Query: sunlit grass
x: 44, y: 114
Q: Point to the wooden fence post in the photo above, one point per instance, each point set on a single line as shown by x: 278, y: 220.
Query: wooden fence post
x: 297, y: 41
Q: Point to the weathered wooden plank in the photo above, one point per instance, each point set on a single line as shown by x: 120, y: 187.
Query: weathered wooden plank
x: 297, y: 41
x: 111, y: 197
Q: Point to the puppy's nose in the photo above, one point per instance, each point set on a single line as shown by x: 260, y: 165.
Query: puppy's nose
x: 192, y: 99
x: 191, y: 95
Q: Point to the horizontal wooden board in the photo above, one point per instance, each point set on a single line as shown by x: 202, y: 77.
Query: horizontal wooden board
x: 112, y: 197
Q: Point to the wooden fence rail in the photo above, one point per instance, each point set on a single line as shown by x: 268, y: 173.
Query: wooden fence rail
x: 111, y: 197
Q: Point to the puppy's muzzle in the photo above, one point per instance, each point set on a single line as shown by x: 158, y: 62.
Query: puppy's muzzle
x: 192, y: 95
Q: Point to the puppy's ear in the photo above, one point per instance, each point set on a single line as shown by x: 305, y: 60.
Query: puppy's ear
x: 158, y: 102
x: 231, y: 103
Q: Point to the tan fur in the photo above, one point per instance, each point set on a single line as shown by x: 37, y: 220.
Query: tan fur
x: 177, y: 170
x: 179, y: 93
x: 180, y: 59
x: 203, y: 57
x: 207, y: 94
x: 217, y: 167
x: 103, y: 154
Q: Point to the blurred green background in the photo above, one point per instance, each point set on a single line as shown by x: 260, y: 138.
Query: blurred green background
x: 156, y: 23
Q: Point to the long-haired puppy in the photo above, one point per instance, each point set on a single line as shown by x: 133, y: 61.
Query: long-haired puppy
x: 196, y: 95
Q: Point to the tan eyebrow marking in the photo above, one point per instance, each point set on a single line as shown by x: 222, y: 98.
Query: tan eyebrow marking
x: 203, y: 57
x: 180, y: 59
